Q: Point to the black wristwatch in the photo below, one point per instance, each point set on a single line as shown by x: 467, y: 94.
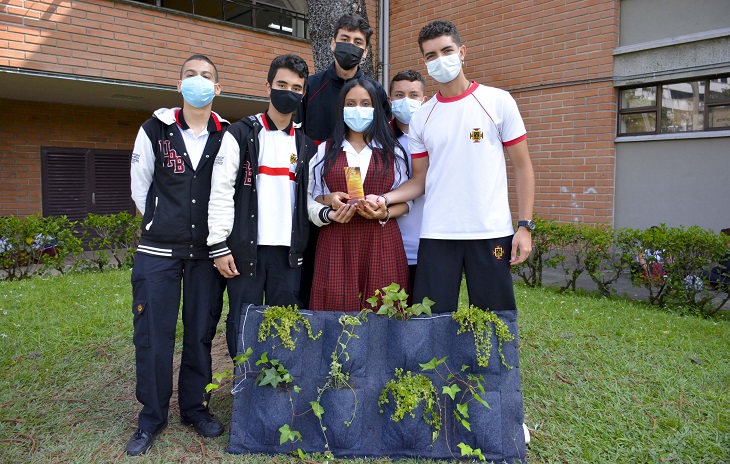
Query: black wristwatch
x: 529, y: 225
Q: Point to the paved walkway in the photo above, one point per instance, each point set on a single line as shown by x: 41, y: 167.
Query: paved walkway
x: 622, y: 288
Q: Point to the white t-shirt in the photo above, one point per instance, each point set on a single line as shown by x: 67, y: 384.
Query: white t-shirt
x: 466, y: 183
x: 276, y: 182
x: 410, y: 224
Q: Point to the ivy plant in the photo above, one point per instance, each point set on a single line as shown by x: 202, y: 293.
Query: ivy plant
x: 408, y: 392
x: 392, y: 301
x: 480, y: 323
x: 284, y: 320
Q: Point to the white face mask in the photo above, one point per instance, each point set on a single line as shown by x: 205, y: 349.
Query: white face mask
x: 445, y: 68
x: 404, y: 108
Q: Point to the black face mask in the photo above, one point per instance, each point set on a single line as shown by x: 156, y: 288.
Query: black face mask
x: 285, y: 101
x: 348, y: 55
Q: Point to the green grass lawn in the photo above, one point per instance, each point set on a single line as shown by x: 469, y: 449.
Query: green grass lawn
x: 603, y: 380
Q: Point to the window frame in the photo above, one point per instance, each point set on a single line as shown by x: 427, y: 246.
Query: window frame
x: 656, y: 109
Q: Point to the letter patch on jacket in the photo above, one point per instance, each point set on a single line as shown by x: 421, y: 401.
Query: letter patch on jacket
x: 171, y: 158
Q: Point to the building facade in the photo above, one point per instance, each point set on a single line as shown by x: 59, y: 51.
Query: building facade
x: 626, y: 103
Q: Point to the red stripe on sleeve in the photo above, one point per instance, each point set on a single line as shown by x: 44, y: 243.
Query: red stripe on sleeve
x: 515, y: 141
x: 419, y: 155
x: 278, y: 172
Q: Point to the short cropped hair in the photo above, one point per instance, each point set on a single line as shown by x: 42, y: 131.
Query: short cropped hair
x: 354, y: 22
x: 200, y: 58
x: 291, y: 62
x: 436, y: 29
x: 410, y: 76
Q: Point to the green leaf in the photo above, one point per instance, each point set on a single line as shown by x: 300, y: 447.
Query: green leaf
x: 451, y: 391
x: 317, y: 409
x: 432, y: 364
x: 243, y: 357
x: 463, y: 409
x: 297, y: 388
x: 263, y: 359
x: 210, y: 387
x: 482, y: 401
x: 465, y: 449
x: 466, y: 424
x: 288, y: 434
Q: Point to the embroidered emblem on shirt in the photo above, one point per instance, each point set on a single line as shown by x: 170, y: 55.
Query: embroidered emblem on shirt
x: 293, y: 158
x: 498, y: 252
x: 476, y: 135
x: 139, y: 308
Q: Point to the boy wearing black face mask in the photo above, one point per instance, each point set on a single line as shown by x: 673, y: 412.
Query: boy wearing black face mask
x: 257, y: 216
x: 349, y: 46
x: 318, y: 111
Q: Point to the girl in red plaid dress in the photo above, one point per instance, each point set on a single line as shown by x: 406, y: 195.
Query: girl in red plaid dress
x: 359, y: 249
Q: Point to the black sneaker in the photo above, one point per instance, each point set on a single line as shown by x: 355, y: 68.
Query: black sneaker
x: 140, y: 442
x: 205, y: 425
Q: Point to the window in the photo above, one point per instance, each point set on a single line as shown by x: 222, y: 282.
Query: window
x: 283, y: 16
x: 77, y: 182
x: 686, y: 106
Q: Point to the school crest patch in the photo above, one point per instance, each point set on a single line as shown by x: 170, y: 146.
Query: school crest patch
x: 293, y: 158
x: 476, y: 135
x: 498, y: 252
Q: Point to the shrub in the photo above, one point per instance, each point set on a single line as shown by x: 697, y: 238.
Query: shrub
x: 34, y: 245
x: 544, y: 253
x: 112, y: 236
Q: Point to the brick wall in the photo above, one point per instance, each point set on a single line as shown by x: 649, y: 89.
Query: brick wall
x: 112, y: 40
x: 25, y: 127
x: 124, y: 41
x: 555, y: 58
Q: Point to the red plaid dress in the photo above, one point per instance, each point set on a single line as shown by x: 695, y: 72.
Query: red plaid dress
x: 356, y: 258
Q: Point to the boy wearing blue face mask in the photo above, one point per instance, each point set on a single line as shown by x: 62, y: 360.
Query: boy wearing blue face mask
x: 407, y: 94
x: 171, y: 172
x: 258, y: 216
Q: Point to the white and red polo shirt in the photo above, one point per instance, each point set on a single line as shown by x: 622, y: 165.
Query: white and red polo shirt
x: 466, y: 184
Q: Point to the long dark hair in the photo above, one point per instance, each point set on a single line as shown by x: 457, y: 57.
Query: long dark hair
x: 379, y: 131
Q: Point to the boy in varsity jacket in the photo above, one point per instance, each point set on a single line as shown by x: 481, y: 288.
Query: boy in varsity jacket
x: 171, y: 170
x: 257, y: 218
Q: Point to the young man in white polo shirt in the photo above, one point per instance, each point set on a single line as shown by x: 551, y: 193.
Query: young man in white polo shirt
x: 257, y: 217
x: 457, y: 141
x: 407, y: 93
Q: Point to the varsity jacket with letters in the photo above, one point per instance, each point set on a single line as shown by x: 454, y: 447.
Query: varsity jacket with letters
x: 317, y: 110
x: 170, y: 194
x: 233, y: 211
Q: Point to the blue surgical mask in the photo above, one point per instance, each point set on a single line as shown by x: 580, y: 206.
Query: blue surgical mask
x: 198, y: 91
x: 444, y: 68
x: 404, y: 108
x: 358, y: 118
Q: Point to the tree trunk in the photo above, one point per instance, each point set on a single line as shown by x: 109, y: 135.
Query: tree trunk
x: 323, y: 14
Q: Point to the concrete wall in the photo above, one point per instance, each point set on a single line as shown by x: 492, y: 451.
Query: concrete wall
x: 556, y: 60
x: 678, y: 182
x: 649, y: 20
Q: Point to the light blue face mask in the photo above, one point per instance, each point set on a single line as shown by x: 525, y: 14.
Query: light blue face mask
x: 404, y: 108
x: 445, y: 68
x: 358, y: 118
x: 198, y: 91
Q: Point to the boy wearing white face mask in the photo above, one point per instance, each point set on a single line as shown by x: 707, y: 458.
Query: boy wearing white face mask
x: 407, y: 93
x: 459, y: 137
x: 171, y: 173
